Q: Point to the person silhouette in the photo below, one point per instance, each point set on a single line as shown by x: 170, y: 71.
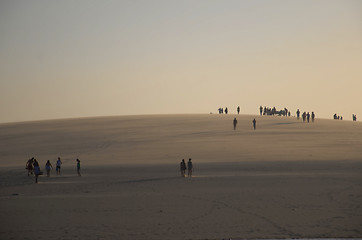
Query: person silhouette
x: 78, y: 167
x: 48, y: 167
x: 235, y: 122
x: 261, y: 110
x: 308, y: 116
x: 254, y: 123
x: 298, y: 114
x: 37, y: 171
x: 58, y: 166
x: 238, y: 109
x: 189, y: 168
x: 313, y: 116
x: 183, y: 168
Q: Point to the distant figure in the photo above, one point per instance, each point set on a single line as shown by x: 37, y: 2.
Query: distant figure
x: 189, y: 168
x: 78, y: 167
x: 29, y: 166
x: 254, y: 123
x: 341, y: 118
x: 183, y: 168
x: 298, y: 113
x: 37, y: 171
x: 226, y: 110
x: 59, y: 164
x: 354, y: 117
x: 48, y: 167
x: 304, y: 116
x: 308, y: 117
x: 235, y: 122
x: 313, y: 116
x: 238, y: 109
x: 261, y: 110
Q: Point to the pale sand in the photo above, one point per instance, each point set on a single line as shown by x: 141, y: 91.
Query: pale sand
x: 284, y: 180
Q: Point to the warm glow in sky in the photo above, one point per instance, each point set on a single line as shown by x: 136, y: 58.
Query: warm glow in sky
x: 61, y: 59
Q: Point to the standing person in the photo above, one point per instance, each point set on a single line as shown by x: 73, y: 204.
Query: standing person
x: 308, y: 116
x: 298, y: 113
x: 261, y: 110
x: 59, y: 164
x: 29, y: 166
x: 226, y: 110
x: 238, y: 109
x: 313, y: 116
x: 37, y: 171
x: 189, y: 168
x: 78, y: 167
x: 48, y: 167
x: 254, y: 123
x: 183, y: 168
x: 235, y: 122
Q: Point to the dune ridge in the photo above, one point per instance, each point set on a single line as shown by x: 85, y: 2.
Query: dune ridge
x: 286, y: 179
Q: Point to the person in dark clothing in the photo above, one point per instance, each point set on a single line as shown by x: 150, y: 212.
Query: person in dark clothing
x: 238, y: 109
x: 48, y: 167
x: 308, y: 117
x: 183, y: 168
x: 29, y: 166
x: 189, y: 168
x: 235, y: 122
x: 254, y: 123
x: 78, y: 167
x: 261, y: 110
x: 37, y: 171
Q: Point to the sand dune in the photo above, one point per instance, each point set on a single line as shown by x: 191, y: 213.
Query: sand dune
x: 287, y: 179
x: 166, y: 139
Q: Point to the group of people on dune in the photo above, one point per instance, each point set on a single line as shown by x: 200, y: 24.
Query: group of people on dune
x: 32, y: 166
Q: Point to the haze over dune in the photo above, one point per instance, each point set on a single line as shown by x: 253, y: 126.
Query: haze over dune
x: 286, y: 179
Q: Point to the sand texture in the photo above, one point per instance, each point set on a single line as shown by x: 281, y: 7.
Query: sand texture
x: 286, y: 179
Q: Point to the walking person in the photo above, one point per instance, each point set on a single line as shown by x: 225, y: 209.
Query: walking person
x: 59, y: 164
x: 48, y: 167
x: 298, y: 113
x: 189, y: 168
x: 37, y: 171
x: 238, y: 109
x: 313, y: 116
x: 183, y: 168
x: 261, y: 110
x: 78, y: 167
x: 235, y: 122
x: 254, y: 123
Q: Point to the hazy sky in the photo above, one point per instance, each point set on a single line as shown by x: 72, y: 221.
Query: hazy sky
x: 61, y: 59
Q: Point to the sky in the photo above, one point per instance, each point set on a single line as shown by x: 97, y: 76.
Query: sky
x: 69, y: 59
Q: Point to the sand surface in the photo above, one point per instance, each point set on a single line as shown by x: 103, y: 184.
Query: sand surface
x: 287, y: 179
